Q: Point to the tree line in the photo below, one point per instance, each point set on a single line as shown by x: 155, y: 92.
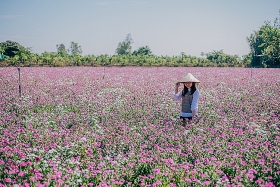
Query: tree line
x: 264, y: 52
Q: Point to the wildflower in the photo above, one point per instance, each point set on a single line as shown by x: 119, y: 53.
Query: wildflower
x: 21, y: 174
x: 203, y: 175
x: 39, y: 185
x: 37, y: 158
x: 32, y: 178
x: 207, y: 182
x: 250, y: 176
x: 60, y: 181
x: 157, y: 183
x: 26, y: 185
x: 7, y: 180
x: 260, y: 181
x: 22, y: 164
x: 156, y: 171
x: 219, y: 171
x: 269, y: 184
x: 188, y: 180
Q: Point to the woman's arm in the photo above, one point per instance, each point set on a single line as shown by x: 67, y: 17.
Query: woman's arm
x: 194, y: 105
x: 177, y: 95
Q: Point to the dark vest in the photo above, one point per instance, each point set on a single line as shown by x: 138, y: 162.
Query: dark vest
x: 187, y: 102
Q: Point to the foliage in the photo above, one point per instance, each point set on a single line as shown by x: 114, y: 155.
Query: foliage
x: 124, y: 47
x: 61, y: 49
x: 2, y: 50
x: 55, y: 59
x: 220, y: 58
x: 265, y: 46
x: 145, y: 50
x: 140, y: 57
x: 75, y: 49
x: 10, y: 48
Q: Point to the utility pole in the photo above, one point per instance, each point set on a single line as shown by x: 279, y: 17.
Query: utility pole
x: 103, y: 70
x: 19, y: 83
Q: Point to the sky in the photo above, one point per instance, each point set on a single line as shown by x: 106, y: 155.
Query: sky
x: 167, y: 27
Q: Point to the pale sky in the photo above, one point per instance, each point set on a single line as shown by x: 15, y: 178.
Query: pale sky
x: 168, y: 27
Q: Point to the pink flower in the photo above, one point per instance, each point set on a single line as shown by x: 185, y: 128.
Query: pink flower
x: 7, y: 180
x: 21, y: 174
x: 269, y: 184
x: 250, y: 176
x: 37, y: 158
x: 259, y: 181
x: 28, y: 163
x: 188, y: 180
x: 269, y: 177
x: 157, y: 171
x: 22, y: 164
x: 60, y: 181
x: 224, y: 177
x: 219, y: 171
x: 32, y: 179
x: 203, y: 175
x: 207, y: 182
x: 157, y: 183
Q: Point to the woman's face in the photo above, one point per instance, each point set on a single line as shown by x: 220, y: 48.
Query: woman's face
x: 188, y: 84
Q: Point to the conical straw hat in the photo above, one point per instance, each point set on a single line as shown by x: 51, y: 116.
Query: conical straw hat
x: 189, y: 78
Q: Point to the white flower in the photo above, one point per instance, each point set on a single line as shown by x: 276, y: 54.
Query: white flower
x: 83, y: 139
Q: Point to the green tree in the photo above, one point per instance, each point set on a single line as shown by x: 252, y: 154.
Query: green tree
x: 222, y: 59
x: 2, y: 50
x: 23, y: 55
x: 124, y: 47
x: 61, y: 49
x: 265, y: 46
x: 145, y: 50
x: 47, y: 58
x: 33, y: 58
x: 75, y: 49
x: 10, y: 48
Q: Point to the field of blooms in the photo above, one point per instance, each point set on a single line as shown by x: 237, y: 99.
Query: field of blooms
x: 89, y: 126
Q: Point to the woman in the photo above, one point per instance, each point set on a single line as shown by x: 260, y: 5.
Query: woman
x: 189, y: 97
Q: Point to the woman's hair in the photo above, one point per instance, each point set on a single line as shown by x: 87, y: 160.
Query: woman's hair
x: 185, y: 90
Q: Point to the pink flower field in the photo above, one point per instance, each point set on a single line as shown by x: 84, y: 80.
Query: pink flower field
x: 83, y: 126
